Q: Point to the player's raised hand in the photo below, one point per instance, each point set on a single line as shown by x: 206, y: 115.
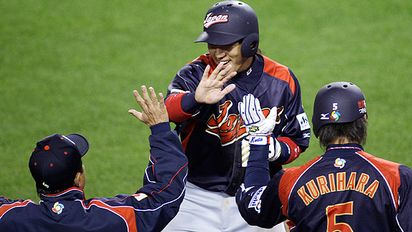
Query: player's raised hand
x: 153, y: 108
x: 210, y: 89
x: 253, y: 118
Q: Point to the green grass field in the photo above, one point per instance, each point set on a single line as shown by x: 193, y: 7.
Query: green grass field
x: 71, y: 66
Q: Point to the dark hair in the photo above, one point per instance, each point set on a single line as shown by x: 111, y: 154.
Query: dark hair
x: 355, y: 132
x: 42, y: 191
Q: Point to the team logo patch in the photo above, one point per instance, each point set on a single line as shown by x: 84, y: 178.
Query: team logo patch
x: 213, y: 19
x: 339, y: 163
x: 139, y: 196
x: 256, y: 202
x: 229, y: 127
x: 45, y: 185
x: 226, y: 126
x: 303, y: 121
x: 324, y: 116
x: 362, y: 106
x: 335, y: 115
x: 258, y: 140
x: 57, y: 208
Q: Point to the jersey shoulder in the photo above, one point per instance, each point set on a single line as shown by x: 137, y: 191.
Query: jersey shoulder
x: 289, y: 179
x: 388, y: 168
x: 280, y: 72
x: 7, y: 204
x: 195, y: 68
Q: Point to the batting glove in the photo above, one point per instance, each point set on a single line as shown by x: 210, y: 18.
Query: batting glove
x: 259, y: 127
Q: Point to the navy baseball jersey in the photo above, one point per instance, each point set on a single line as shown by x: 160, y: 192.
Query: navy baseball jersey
x: 150, y: 209
x: 211, y: 134
x: 346, y: 189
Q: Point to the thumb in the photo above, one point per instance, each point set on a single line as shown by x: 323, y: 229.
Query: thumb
x: 136, y: 113
x: 273, y: 113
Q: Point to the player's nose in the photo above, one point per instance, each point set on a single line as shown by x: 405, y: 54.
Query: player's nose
x: 220, y: 53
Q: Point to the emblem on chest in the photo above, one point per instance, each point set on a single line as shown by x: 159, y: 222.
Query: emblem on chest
x: 229, y: 127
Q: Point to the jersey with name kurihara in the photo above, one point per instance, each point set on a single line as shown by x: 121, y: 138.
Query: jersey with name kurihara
x: 344, y: 186
x: 212, y: 135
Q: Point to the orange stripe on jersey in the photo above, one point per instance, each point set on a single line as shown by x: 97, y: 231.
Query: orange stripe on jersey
x: 125, y: 212
x: 279, y: 71
x: 7, y: 207
x: 288, y: 181
x: 390, y: 172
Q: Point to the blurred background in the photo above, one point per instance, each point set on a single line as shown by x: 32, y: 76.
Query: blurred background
x: 71, y: 66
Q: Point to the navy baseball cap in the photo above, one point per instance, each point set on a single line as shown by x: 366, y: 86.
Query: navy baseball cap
x: 337, y: 102
x: 227, y: 22
x: 56, y: 159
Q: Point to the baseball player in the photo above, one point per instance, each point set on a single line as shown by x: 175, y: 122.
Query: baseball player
x: 346, y: 189
x: 57, y: 169
x: 202, y: 100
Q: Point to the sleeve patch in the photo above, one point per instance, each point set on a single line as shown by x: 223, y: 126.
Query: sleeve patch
x: 139, y: 196
x: 256, y: 202
x: 303, y: 121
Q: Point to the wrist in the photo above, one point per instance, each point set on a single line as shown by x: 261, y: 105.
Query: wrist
x: 197, y: 97
x: 275, y: 149
x: 259, y: 139
x: 160, y: 127
x: 189, y: 103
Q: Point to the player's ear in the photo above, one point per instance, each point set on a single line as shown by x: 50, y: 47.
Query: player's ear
x: 80, y: 178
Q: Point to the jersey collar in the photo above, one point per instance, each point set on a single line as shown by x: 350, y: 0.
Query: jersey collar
x: 68, y: 194
x: 347, y: 146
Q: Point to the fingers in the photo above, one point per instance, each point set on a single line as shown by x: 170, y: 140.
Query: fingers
x: 222, y: 72
x: 253, y: 108
x: 140, y: 100
x: 215, y: 72
x: 258, y: 110
x: 146, y: 101
x: 241, y: 109
x: 153, y: 107
x: 136, y: 113
x: 146, y: 97
x: 162, y: 102
x: 248, y: 116
x: 250, y: 110
x: 229, y: 76
x: 153, y: 95
x: 228, y: 89
x: 206, y: 72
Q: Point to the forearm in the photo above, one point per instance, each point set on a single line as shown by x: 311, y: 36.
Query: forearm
x: 257, y: 200
x: 257, y: 170
x: 166, y: 174
x: 289, y: 150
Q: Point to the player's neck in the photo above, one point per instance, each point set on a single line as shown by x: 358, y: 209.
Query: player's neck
x: 341, y: 140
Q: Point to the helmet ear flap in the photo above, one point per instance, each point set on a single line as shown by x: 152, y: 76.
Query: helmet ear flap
x: 250, y: 45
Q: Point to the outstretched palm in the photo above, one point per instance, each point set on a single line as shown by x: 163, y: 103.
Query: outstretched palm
x: 210, y: 89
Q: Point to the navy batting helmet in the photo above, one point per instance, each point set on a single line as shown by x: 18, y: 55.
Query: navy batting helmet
x: 230, y: 21
x: 337, y: 102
